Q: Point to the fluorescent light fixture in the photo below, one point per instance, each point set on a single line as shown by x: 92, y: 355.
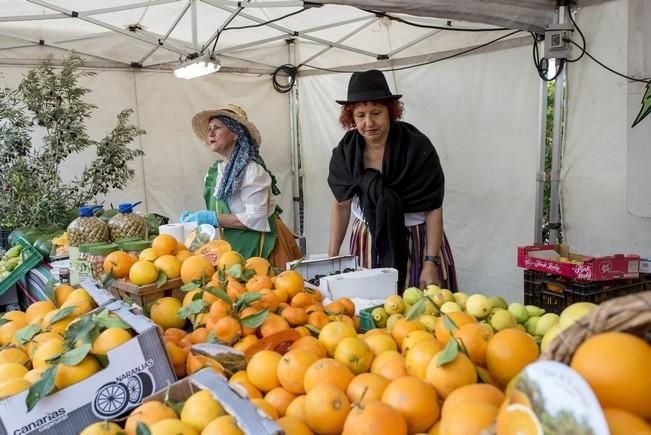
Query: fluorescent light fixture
x: 198, y: 67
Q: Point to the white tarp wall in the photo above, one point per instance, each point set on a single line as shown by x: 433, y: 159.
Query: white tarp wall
x: 601, y: 151
x: 481, y: 113
x: 169, y: 178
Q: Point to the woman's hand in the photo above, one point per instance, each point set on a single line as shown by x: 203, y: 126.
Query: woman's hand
x: 429, y: 274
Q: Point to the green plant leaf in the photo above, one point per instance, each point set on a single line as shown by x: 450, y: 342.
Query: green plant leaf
x: 197, y: 296
x: 75, y: 356
x: 192, y: 285
x: 482, y: 377
x: 220, y: 293
x: 27, y: 333
x: 255, y: 320
x: 298, y: 263
x: 113, y: 322
x: 62, y: 314
x: 416, y: 310
x: 109, y: 279
x: 194, y: 307
x: 176, y: 406
x: 85, y: 329
x: 462, y: 346
x: 235, y: 271
x: 212, y: 338
x: 41, y: 388
x: 247, y: 299
x: 313, y: 329
x: 161, y: 279
x: 449, y: 324
x: 142, y: 429
x: 449, y: 354
x: 248, y: 274
x: 3, y: 321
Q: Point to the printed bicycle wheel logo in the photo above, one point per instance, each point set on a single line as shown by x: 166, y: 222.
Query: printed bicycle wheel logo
x: 113, y: 398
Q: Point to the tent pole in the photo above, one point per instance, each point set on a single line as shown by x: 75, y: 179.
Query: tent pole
x: 193, y: 12
x: 294, y: 147
x: 540, y: 174
x: 555, y: 196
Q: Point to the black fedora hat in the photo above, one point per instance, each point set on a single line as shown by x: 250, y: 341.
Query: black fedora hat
x: 368, y: 86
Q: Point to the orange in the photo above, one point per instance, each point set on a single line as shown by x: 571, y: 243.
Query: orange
x: 234, y: 289
x: 251, y: 391
x: 335, y: 307
x: 414, y: 337
x: 260, y: 265
x: 294, y: 316
x: 485, y: 376
x: 458, y: 317
x: 624, y: 423
x: 282, y: 295
x: 266, y: 407
x: 318, y: 319
x: 326, y: 409
x: 419, y: 356
x: 393, y: 369
x: 229, y: 259
x: 200, y: 409
x: 196, y: 268
x: 69, y: 375
x: 148, y: 413
x: 280, y: 399
x: 311, y: 344
x: 403, y: 327
x: 474, y: 338
x: 378, y: 343
x: 301, y: 300
x: 382, y: 358
x: 172, y: 426
x: 292, y: 367
x: 303, y: 331
x: 332, y: 333
x: 366, y: 387
x: 349, y: 306
x: 474, y: 393
x: 224, y: 425
x: 262, y: 370
x: 374, y: 418
x: 180, y: 247
x: 109, y: 339
x: 314, y: 307
x: 513, y: 419
x: 291, y: 281
x: 194, y: 363
x: 14, y: 355
x: 355, y: 354
x: 327, y: 371
x: 176, y: 353
x: 297, y: 408
x: 148, y: 254
x: 183, y: 255
x: 509, y: 351
x: 219, y: 309
x: 293, y: 426
x: 143, y: 273
x: 61, y: 293
x: 164, y: 244
x: 163, y: 313
x: 268, y: 300
x: 621, y: 377
x: 470, y: 418
x: 35, y: 312
x: 169, y: 265
x: 259, y: 282
x: 415, y: 400
x: 118, y: 263
x: 272, y: 324
x: 228, y: 330
x: 453, y: 375
x: 248, y: 311
x: 174, y: 334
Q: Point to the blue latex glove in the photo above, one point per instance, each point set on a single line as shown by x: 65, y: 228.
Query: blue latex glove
x: 200, y: 217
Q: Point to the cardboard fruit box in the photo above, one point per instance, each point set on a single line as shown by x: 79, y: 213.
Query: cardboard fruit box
x: 136, y: 369
x: 145, y: 294
x: 558, y: 260
x: 250, y: 419
x: 364, y: 284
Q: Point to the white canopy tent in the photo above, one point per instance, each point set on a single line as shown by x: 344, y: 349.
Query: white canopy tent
x: 481, y: 109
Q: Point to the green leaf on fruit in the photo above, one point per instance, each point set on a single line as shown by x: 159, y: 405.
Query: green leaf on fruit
x: 113, y: 322
x: 254, y: 320
x: 142, y: 429
x: 220, y: 293
x: 192, y: 285
x: 449, y: 354
x: 197, y: 296
x: 75, y: 356
x: 449, y: 324
x: 483, y: 378
x: 3, y: 321
x: 212, y: 338
x: 27, y: 333
x: 62, y: 314
x: 247, y: 299
x: 86, y: 330
x: 41, y: 388
x: 161, y: 279
x: 248, y: 274
x: 416, y: 310
x: 194, y: 307
x: 235, y: 271
x: 313, y: 329
x: 108, y: 280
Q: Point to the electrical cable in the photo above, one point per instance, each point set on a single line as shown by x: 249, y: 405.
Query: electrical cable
x: 251, y: 26
x: 633, y: 79
x: 578, y: 29
x: 291, y: 71
x: 428, y: 26
x: 542, y: 64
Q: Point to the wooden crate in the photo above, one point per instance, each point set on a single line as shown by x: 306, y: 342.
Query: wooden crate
x: 145, y: 294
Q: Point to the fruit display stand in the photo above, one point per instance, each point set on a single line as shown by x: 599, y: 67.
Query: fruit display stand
x: 146, y: 294
x: 136, y: 368
x: 250, y: 419
x: 553, y: 293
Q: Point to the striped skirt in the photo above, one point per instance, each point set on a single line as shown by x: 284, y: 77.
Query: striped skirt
x: 361, y: 245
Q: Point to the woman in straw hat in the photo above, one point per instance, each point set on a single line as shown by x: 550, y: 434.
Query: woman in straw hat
x: 388, y: 174
x: 239, y: 190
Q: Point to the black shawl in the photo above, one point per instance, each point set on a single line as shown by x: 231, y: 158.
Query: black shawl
x: 411, y: 181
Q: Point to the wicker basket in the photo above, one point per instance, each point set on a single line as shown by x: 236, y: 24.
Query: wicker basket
x: 631, y: 314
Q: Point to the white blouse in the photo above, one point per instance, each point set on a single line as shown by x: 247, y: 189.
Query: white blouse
x: 411, y: 219
x: 253, y: 202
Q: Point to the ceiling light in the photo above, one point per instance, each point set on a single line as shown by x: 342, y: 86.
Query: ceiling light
x: 197, y: 67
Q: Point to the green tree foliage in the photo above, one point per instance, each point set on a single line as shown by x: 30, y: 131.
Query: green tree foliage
x: 32, y: 192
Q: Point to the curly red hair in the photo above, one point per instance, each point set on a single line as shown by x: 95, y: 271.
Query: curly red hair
x: 395, y: 108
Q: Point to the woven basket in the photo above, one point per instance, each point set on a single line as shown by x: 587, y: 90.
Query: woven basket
x: 631, y: 314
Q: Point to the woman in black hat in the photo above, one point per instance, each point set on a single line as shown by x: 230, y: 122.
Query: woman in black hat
x: 388, y: 173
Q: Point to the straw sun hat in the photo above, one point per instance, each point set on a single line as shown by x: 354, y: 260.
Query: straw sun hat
x: 201, y: 119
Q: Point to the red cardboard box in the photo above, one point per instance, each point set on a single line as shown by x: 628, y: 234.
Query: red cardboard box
x: 558, y: 260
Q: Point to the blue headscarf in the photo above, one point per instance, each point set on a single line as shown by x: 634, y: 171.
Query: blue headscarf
x: 244, y: 152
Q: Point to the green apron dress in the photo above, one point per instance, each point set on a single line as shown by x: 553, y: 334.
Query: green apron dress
x: 249, y: 243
